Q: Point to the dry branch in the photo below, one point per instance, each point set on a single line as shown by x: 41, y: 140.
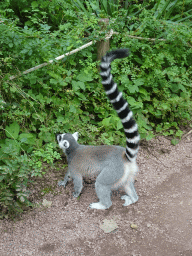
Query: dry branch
x: 77, y: 50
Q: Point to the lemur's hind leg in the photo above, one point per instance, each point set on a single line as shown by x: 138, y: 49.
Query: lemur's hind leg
x: 104, y: 195
x: 131, y: 196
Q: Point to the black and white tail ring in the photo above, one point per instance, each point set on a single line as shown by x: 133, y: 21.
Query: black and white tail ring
x: 119, y: 103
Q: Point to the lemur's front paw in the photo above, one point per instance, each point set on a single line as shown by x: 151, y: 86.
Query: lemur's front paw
x: 76, y: 194
x: 62, y: 183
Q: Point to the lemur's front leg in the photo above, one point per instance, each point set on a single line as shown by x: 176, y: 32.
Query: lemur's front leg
x: 66, y: 178
x: 78, y: 185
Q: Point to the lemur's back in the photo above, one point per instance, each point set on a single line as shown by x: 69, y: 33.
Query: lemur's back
x: 91, y: 160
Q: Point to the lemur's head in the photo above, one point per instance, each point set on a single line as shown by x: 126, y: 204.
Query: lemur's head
x: 67, y: 141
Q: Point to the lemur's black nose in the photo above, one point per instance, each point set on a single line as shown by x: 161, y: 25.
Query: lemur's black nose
x: 56, y: 135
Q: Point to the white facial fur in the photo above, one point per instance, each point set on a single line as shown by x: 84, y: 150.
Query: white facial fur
x: 63, y: 144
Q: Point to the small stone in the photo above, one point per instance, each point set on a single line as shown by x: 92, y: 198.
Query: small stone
x: 134, y: 226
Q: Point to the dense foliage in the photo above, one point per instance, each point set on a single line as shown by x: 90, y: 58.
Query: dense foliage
x: 67, y: 95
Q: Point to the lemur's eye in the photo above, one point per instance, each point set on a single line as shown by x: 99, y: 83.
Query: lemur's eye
x: 66, y: 143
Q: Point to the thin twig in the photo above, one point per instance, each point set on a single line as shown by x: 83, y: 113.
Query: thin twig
x: 142, y: 38
x: 23, y: 93
x: 145, y: 38
x: 185, y: 135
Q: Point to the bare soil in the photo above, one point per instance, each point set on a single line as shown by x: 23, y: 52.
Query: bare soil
x: 160, y: 223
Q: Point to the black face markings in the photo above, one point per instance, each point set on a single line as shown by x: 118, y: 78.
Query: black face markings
x: 66, y: 143
x: 59, y: 139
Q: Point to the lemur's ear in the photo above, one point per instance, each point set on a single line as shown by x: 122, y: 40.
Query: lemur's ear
x: 75, y: 135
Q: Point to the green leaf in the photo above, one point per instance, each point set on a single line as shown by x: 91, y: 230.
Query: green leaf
x: 174, y: 141
x: 61, y: 119
x: 11, y: 146
x: 53, y: 81
x: 119, y: 125
x: 149, y: 136
x: 78, y: 85
x: 12, y: 131
x: 106, y: 122
x: 81, y: 96
x: 143, y: 91
x: 84, y: 77
x: 33, y: 80
x: 27, y: 138
x: 139, y: 82
x: 73, y: 109
x: 47, y: 137
x: 34, y: 4
x: 164, y: 106
x: 179, y: 133
x: 182, y: 88
x: 133, y: 88
x: 38, y: 117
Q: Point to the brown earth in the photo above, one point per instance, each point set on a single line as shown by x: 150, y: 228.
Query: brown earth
x: 160, y: 223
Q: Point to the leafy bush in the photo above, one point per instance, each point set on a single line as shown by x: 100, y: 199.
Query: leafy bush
x: 67, y: 95
x: 158, y: 77
x: 16, y: 166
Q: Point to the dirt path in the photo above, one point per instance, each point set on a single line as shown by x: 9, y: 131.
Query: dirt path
x: 160, y: 223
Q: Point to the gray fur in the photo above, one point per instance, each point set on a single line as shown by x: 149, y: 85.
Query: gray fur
x: 107, y: 163
x: 114, y: 167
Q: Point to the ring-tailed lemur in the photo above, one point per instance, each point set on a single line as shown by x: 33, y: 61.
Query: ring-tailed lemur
x: 113, y: 166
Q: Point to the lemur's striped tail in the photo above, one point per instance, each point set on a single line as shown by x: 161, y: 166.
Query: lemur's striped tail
x: 119, y: 103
